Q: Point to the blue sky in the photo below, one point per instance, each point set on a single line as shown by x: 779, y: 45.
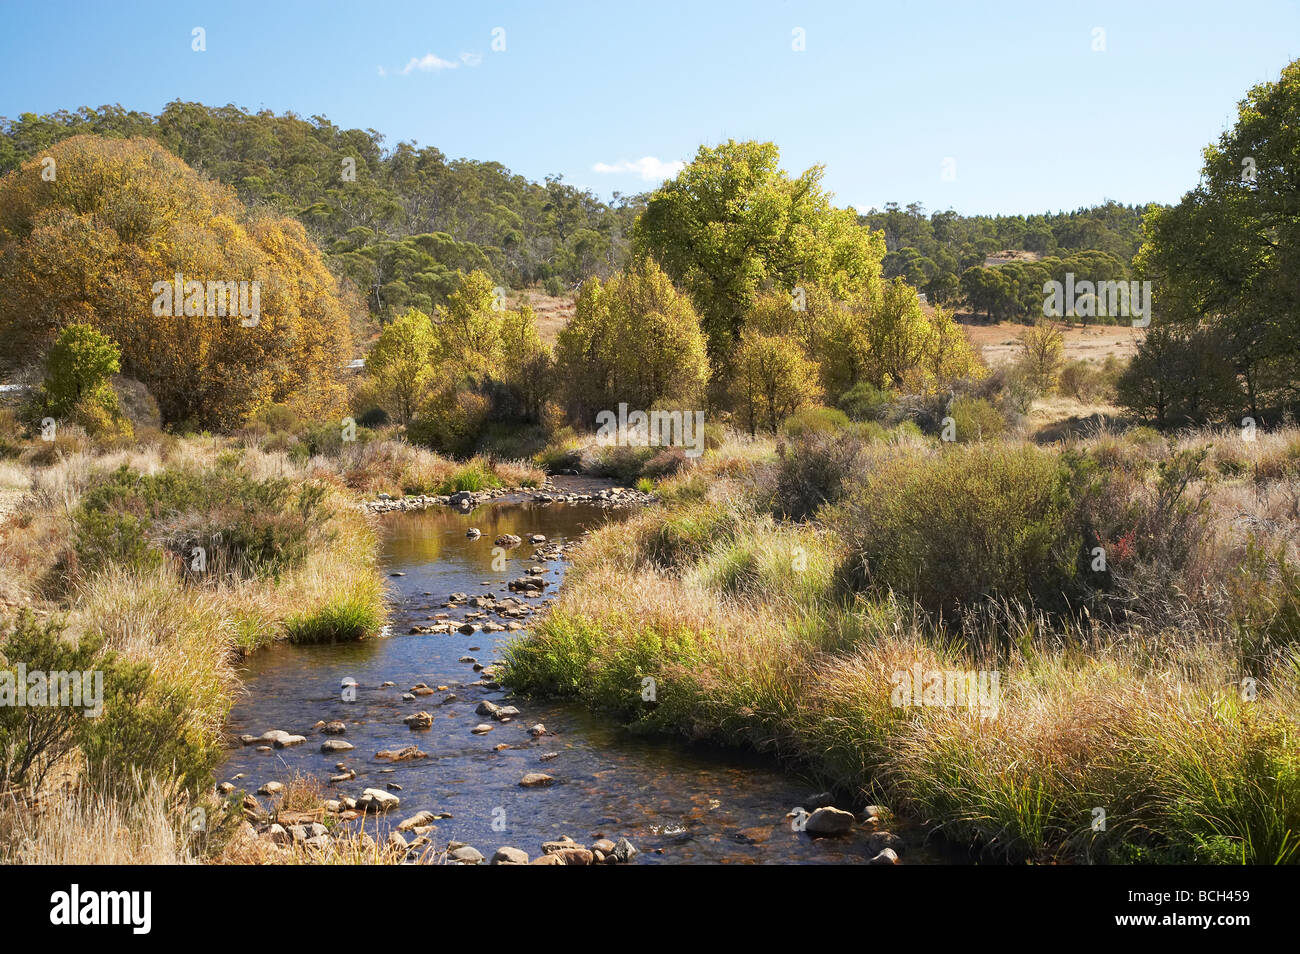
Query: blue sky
x: 1032, y: 117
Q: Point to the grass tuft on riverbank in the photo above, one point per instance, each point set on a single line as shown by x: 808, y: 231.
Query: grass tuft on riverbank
x: 1160, y: 689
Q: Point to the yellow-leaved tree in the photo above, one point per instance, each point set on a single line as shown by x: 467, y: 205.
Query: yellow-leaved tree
x: 218, y: 311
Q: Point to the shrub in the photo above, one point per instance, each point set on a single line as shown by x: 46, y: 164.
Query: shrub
x: 450, y: 423
x: 864, y: 402
x: 34, y: 737
x: 145, y: 730
x: 245, y: 526
x: 954, y: 528
x: 814, y: 420
x: 975, y: 419
x: 812, y: 472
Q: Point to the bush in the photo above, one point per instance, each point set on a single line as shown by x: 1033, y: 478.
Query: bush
x: 965, y: 525
x: 34, y: 737
x: 814, y: 420
x: 812, y: 472
x: 975, y: 419
x: 450, y: 423
x: 245, y: 527
x: 864, y: 402
x: 145, y: 730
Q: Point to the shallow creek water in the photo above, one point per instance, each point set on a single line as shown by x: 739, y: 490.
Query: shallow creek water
x: 676, y: 802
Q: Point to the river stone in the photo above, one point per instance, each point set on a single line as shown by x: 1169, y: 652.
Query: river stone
x: 508, y: 540
x: 401, y: 755
x: 473, y: 533
x: 277, y: 835
x: 603, y: 845
x: 271, y: 788
x: 829, y: 821
x: 281, y: 739
x: 334, y: 728
x: 537, y: 730
x: 505, y: 712
x: 536, y: 780
x: 886, y: 857
x: 574, y: 856
x: 481, y: 728
x: 465, y: 855
x: 336, y: 745
x: 347, y: 776
x: 624, y: 851
x: 486, y: 708
x: 419, y: 720
x: 396, y: 841
x: 377, y: 800
x: 418, y: 820
x: 878, y: 841
x: 509, y: 856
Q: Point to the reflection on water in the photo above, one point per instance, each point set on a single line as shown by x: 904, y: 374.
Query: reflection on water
x: 677, y: 803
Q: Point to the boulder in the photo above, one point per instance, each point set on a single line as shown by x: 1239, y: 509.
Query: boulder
x: 509, y: 856
x: 829, y: 821
x: 377, y: 800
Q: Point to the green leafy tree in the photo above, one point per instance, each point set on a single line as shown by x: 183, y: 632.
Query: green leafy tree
x: 1227, y: 254
x: 770, y: 380
x: 733, y: 223
x: 78, y: 369
x: 634, y: 339
x: 402, y: 363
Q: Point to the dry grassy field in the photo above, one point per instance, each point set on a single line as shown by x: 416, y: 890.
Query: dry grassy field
x: 998, y: 344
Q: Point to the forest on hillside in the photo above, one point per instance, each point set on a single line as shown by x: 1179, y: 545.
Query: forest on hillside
x: 412, y: 217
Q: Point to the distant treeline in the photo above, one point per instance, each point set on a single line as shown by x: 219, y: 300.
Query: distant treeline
x: 944, y: 254
x: 399, y: 222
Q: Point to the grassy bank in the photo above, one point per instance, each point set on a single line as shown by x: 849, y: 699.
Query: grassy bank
x: 161, y: 564
x: 776, y: 593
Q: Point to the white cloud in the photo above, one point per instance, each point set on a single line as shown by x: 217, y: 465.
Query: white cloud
x: 427, y: 64
x: 471, y: 59
x: 382, y: 71
x: 648, y: 168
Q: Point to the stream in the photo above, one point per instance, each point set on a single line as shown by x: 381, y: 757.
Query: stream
x: 676, y: 802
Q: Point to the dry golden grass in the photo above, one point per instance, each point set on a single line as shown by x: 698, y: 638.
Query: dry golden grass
x: 74, y: 826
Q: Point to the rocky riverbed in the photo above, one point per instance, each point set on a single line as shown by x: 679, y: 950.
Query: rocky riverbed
x: 413, y: 739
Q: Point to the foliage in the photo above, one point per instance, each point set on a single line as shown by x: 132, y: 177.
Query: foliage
x: 633, y: 339
x: 1223, y: 260
x: 733, y: 224
x: 102, y: 245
